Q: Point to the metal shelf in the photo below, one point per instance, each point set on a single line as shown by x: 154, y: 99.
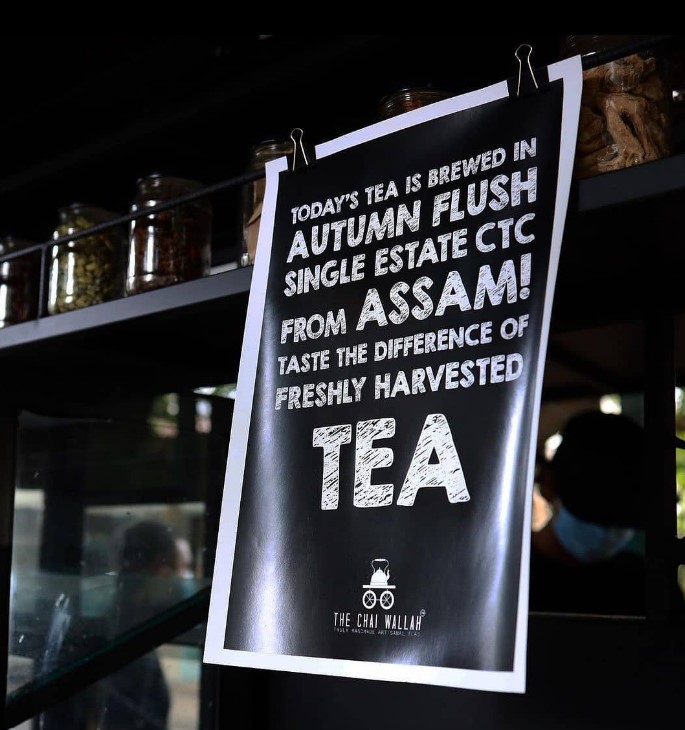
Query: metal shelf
x: 632, y: 185
x: 191, y: 333
x: 657, y: 185
x: 172, y: 300
x: 185, y: 335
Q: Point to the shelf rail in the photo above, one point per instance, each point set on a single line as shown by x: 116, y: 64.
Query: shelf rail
x: 43, y: 248
x: 646, y: 43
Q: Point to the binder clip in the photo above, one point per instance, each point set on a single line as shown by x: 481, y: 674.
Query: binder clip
x: 527, y: 50
x: 527, y: 82
x: 303, y: 154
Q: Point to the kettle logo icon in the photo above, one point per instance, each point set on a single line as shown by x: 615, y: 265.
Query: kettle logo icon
x: 379, y: 584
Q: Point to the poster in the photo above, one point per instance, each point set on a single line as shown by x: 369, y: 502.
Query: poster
x: 376, y: 510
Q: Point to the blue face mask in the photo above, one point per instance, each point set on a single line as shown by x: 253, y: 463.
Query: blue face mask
x: 587, y: 542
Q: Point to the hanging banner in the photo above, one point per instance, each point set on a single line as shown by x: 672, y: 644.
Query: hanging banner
x: 376, y: 510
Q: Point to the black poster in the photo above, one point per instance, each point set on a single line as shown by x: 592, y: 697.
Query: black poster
x: 376, y: 509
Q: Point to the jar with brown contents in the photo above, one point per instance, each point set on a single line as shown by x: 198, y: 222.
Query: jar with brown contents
x: 88, y: 270
x: 625, y: 113
x: 253, y: 194
x: 170, y: 246
x: 19, y: 282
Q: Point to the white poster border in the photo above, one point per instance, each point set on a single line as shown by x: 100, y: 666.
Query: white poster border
x: 570, y: 72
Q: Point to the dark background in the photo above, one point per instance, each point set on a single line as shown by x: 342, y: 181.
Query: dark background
x: 86, y: 116
x: 459, y: 562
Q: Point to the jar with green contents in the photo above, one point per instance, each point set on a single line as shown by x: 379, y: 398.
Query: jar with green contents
x: 88, y: 270
x: 19, y: 281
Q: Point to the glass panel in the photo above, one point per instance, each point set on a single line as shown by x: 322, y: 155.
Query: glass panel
x: 113, y: 512
x: 181, y: 666
x: 588, y: 551
x: 680, y: 480
x: 680, y: 462
x: 159, y: 690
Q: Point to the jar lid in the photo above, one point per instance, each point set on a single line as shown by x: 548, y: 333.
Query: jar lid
x: 75, y: 206
x: 156, y: 174
x: 87, y: 210
x: 270, y: 143
x: 269, y: 149
x: 158, y: 179
x: 10, y: 243
x: 587, y: 45
x: 410, y: 97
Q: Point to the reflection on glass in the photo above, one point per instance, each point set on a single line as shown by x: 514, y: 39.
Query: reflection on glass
x: 680, y: 462
x: 152, y: 573
x: 157, y: 691
x: 680, y: 478
x: 109, y: 532
x: 220, y: 391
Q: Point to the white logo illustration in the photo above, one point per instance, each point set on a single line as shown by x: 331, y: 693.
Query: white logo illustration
x: 380, y: 577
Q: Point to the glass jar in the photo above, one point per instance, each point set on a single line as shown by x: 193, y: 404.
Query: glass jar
x: 173, y: 245
x: 88, y: 270
x: 407, y: 99
x: 625, y: 113
x: 19, y: 282
x: 253, y: 194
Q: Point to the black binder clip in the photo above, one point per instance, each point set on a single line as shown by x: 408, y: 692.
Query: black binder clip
x: 303, y: 154
x: 527, y: 82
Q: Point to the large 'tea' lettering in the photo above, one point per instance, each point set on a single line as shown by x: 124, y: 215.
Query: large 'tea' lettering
x: 435, y: 438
